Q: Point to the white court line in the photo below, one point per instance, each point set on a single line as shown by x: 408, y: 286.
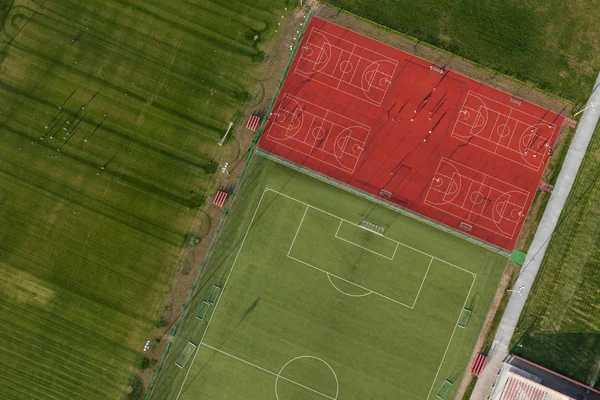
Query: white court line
x: 451, y: 337
x: 222, y: 290
x: 422, y: 283
x: 339, y: 80
x: 539, y: 162
x: 267, y: 371
x: 399, y: 243
x: 362, y: 247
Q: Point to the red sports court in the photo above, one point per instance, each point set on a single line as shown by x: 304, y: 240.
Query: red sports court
x: 424, y: 138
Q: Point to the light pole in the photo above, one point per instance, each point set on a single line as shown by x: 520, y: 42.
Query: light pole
x: 586, y: 107
x: 519, y: 290
x: 224, y: 169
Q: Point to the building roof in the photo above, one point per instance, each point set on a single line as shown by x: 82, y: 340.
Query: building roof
x: 513, y: 386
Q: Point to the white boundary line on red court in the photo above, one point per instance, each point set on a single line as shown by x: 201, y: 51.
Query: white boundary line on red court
x: 200, y: 344
x: 515, y: 189
x: 339, y: 80
x: 508, y: 117
x: 298, y: 101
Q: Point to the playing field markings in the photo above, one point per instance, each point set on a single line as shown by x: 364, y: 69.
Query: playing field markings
x: 201, y: 343
x: 399, y: 243
x: 451, y: 337
x: 220, y: 297
x: 305, y: 111
x: 277, y: 375
x: 380, y: 81
x: 346, y: 293
x: 510, y: 126
x: 364, y: 248
x: 484, y: 212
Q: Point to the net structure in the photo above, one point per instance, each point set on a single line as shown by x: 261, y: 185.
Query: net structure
x: 219, y: 229
x: 378, y: 200
x: 464, y: 318
x: 446, y: 386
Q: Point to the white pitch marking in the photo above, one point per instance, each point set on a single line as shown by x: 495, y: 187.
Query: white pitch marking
x: 267, y: 371
x: 347, y: 294
x: 422, y: 283
x: 452, y: 336
x: 400, y: 243
x: 220, y: 297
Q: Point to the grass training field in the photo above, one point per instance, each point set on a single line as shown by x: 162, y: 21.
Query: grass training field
x: 560, y: 326
x: 310, y: 305
x: 549, y: 42
x: 109, y: 116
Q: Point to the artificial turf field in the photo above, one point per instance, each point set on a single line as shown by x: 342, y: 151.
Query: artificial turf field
x: 313, y: 306
x: 144, y: 89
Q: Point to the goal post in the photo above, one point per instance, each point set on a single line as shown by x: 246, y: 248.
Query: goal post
x: 185, y: 354
x: 214, y: 294
x: 203, y: 310
x: 446, y: 386
x: 464, y: 318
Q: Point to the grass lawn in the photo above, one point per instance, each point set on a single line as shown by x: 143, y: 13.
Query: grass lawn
x: 549, y: 42
x: 312, y: 305
x: 560, y: 326
x: 109, y: 116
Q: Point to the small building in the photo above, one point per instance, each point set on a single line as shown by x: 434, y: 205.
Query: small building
x: 520, y: 379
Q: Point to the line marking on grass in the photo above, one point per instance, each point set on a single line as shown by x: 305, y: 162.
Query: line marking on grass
x: 422, y: 282
x: 277, y: 375
x: 328, y: 274
x: 297, y: 231
x: 350, y: 282
x: 347, y: 294
x: 364, y: 248
x: 451, y: 337
x: 222, y: 290
x: 352, y: 223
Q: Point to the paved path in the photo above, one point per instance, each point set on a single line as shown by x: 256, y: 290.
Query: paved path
x: 585, y: 129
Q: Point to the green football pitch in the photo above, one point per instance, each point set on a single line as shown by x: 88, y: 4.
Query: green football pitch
x: 313, y: 305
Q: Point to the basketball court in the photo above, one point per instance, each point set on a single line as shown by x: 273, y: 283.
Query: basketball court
x: 420, y: 136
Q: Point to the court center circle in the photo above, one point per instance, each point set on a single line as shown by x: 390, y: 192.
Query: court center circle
x: 476, y: 197
x: 318, y: 133
x: 346, y: 66
x: 465, y: 114
x: 503, y: 130
x: 279, y: 375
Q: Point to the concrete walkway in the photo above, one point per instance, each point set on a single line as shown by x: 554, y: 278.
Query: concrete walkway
x: 499, y: 351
